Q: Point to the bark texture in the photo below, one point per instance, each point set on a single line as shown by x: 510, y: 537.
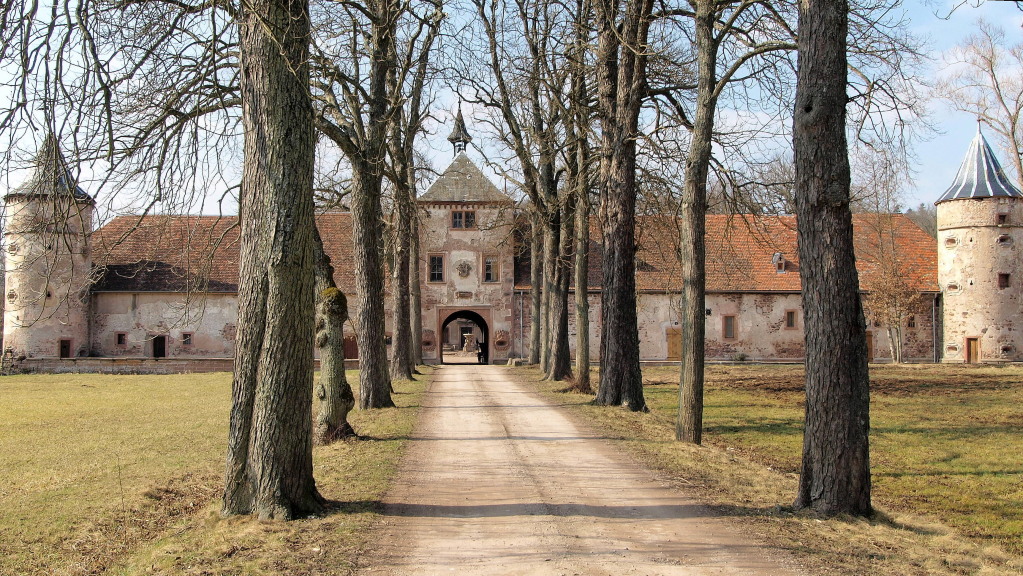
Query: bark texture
x: 334, y: 392
x: 579, y: 168
x: 560, y: 364
x: 367, y: 214
x: 622, y: 29
x: 536, y: 294
x: 835, y: 473
x: 401, y: 322
x: 689, y: 424
x: 269, y: 460
x: 415, y: 295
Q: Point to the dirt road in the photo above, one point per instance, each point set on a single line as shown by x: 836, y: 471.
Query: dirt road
x: 498, y: 481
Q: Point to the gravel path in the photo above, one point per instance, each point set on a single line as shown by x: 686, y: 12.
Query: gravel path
x: 499, y: 481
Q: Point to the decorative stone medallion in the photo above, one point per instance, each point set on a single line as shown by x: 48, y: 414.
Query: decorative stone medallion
x: 464, y: 267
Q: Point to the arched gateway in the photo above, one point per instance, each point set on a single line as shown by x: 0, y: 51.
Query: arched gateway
x: 478, y: 332
x: 468, y: 259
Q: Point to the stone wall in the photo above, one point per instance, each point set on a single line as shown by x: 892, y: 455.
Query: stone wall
x: 980, y: 272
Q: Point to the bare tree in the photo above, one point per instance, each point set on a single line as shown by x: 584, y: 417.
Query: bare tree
x: 622, y: 48
x: 408, y: 79
x: 269, y: 462
x: 983, y: 79
x: 835, y: 473
x: 525, y: 70
x: 334, y: 392
x: 354, y: 110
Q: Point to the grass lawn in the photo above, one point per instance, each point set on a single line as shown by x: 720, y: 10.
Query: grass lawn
x: 124, y: 473
x: 945, y: 453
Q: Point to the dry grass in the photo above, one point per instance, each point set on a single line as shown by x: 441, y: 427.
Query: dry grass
x: 945, y: 446
x: 122, y: 474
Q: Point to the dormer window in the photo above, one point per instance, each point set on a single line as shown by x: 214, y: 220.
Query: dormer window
x: 463, y: 219
x: 779, y: 262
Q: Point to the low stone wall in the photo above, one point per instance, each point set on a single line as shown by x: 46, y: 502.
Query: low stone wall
x: 135, y: 365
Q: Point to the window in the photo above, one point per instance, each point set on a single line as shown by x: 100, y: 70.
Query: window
x: 65, y: 349
x: 728, y: 327
x: 463, y: 219
x: 121, y: 339
x: 790, y: 319
x: 436, y: 273
x: 1004, y: 240
x: 951, y: 242
x: 186, y: 338
x: 1003, y: 219
x: 779, y: 262
x: 491, y: 269
x: 1003, y: 280
x: 911, y: 322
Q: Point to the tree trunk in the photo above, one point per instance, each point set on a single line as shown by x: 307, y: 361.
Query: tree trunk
x: 374, y: 380
x: 835, y: 473
x: 620, y: 65
x: 689, y: 423
x: 582, y: 303
x: 579, y: 178
x: 895, y: 343
x: 334, y: 392
x: 415, y: 294
x: 550, y: 258
x: 560, y: 366
x: 536, y: 281
x: 401, y: 340
x: 269, y: 460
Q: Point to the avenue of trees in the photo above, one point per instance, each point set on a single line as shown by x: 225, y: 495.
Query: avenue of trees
x: 603, y: 107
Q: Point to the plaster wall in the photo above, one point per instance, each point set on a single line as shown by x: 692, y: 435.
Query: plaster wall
x: 47, y: 275
x: 210, y: 319
x: 979, y: 240
x: 463, y: 288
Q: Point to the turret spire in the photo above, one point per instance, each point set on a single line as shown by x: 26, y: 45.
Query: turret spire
x: 980, y: 175
x: 51, y: 175
x: 459, y: 137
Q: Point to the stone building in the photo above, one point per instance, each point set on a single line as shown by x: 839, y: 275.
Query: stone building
x: 980, y: 271
x: 165, y: 287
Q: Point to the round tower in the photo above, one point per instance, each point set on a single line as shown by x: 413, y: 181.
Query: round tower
x: 47, y: 262
x: 980, y: 238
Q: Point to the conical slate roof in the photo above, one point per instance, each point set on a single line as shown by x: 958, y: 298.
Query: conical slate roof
x: 463, y: 181
x: 980, y: 175
x: 460, y: 135
x: 51, y: 176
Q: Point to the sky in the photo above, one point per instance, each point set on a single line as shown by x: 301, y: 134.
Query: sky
x: 942, y: 23
x: 940, y: 157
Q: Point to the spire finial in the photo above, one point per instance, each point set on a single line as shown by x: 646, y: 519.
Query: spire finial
x: 459, y: 137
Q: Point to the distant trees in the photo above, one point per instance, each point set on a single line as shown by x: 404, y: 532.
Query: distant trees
x: 982, y: 78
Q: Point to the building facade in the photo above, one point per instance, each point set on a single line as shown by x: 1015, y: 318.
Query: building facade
x: 165, y: 287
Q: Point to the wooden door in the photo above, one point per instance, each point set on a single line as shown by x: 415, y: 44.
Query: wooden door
x: 674, y: 343
x: 972, y: 350
x: 351, y: 348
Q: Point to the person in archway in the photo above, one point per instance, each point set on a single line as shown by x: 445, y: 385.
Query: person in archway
x: 480, y: 354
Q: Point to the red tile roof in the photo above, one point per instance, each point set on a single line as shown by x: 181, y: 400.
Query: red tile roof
x: 741, y: 252
x: 177, y: 253
x: 172, y: 253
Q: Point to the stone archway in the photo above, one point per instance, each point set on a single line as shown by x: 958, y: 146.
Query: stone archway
x: 477, y: 319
